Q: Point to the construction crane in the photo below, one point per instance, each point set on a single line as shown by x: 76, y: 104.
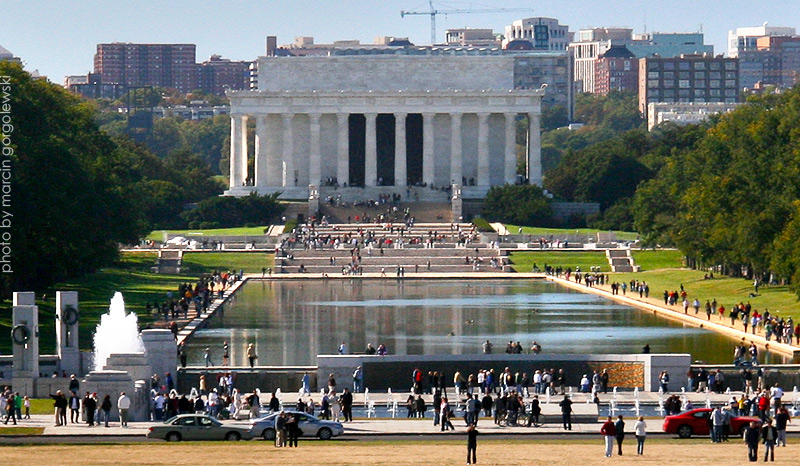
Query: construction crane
x: 433, y: 12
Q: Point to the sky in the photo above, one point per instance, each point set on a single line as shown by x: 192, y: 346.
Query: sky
x: 59, y: 38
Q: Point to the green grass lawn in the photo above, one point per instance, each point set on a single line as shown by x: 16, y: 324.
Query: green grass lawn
x: 661, y: 259
x: 198, y: 263
x: 584, y: 232
x: 41, y: 406
x: 14, y: 430
x: 523, y: 261
x: 158, y: 235
x: 727, y: 291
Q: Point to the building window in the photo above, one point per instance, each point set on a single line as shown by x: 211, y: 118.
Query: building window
x: 714, y: 83
x: 684, y: 65
x: 653, y: 83
x: 669, y: 65
x: 699, y: 65
x: 683, y: 92
x: 699, y: 75
x: 684, y: 84
x: 730, y: 65
x: 653, y: 65
x: 714, y: 65
x: 730, y: 83
x: 730, y: 75
x: 653, y: 74
x: 669, y: 83
x: 669, y: 75
x: 627, y: 65
x: 699, y: 92
x: 730, y: 92
x: 684, y: 74
x: 715, y: 75
x: 714, y: 92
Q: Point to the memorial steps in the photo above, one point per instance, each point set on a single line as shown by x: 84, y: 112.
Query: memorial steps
x: 444, y: 255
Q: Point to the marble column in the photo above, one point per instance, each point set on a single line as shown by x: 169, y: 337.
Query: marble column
x: 534, y: 150
x: 400, y: 164
x: 483, y: 149
x: 261, y: 165
x: 245, y: 150
x: 371, y: 151
x: 314, y: 155
x: 273, y: 147
x: 343, y: 149
x: 510, y: 165
x: 235, y: 179
x: 288, y: 151
x: 428, y: 165
x: 455, y: 148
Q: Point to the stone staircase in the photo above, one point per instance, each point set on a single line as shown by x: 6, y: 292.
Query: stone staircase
x: 416, y: 253
x: 621, y: 260
x: 169, y: 261
x: 436, y: 212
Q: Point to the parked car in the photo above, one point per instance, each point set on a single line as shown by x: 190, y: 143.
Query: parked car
x: 696, y: 422
x: 197, y: 427
x: 310, y: 426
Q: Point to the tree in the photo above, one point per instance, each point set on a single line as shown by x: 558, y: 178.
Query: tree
x: 518, y: 204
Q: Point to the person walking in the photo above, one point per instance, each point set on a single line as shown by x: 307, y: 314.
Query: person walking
x: 769, y: 435
x: 751, y: 438
x: 472, y: 444
x: 566, y: 412
x: 619, y: 428
x: 535, y: 411
x: 105, y: 407
x: 10, y: 408
x: 89, y: 407
x: 280, y: 429
x: 251, y: 354
x: 640, y: 431
x: 781, y: 419
x: 123, y: 404
x: 609, y: 431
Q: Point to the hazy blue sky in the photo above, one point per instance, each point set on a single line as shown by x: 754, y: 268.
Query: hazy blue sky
x: 60, y: 37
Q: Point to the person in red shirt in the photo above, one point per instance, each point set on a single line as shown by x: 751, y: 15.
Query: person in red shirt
x: 610, y: 432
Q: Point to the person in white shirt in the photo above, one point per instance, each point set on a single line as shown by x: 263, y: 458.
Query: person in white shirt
x: 640, y: 431
x: 124, y: 404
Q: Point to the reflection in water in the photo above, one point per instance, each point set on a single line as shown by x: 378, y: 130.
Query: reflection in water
x: 292, y: 321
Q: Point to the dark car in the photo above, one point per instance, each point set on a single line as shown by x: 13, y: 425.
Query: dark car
x: 696, y: 422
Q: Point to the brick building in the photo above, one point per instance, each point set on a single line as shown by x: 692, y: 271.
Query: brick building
x: 217, y: 74
x: 159, y: 65
x: 616, y: 70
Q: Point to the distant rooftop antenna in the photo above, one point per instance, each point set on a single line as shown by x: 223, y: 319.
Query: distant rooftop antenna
x: 644, y: 15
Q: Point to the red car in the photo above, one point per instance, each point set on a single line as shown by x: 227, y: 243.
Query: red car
x: 696, y: 422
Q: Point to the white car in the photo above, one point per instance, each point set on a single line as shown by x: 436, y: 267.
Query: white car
x: 310, y: 426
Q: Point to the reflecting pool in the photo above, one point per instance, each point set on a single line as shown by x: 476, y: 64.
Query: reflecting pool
x: 291, y: 322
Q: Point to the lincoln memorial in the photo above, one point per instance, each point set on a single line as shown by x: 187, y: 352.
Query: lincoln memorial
x: 361, y: 125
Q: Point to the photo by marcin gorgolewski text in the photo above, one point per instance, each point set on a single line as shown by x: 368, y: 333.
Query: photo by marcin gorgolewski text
x: 6, y: 131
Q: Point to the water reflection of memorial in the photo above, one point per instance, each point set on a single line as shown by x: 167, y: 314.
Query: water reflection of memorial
x: 291, y: 322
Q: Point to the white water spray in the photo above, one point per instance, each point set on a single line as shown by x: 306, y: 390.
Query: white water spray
x: 116, y: 333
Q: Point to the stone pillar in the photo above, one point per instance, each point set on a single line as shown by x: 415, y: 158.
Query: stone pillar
x: 400, y: 164
x: 25, y: 337
x: 288, y: 151
x: 455, y: 148
x: 371, y: 149
x: 314, y: 155
x: 272, y: 145
x: 159, y: 349
x: 343, y: 149
x: 235, y: 180
x: 510, y: 164
x: 428, y: 166
x: 534, y: 150
x: 262, y: 167
x: 245, y: 150
x: 67, y: 317
x: 483, y: 149
x: 456, y: 203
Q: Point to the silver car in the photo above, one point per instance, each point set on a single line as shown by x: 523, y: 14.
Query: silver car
x: 196, y: 427
x: 310, y: 426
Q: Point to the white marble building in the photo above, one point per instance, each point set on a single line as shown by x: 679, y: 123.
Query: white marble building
x: 378, y: 124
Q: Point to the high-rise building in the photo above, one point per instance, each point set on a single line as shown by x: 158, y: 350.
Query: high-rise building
x: 597, y: 41
x: 159, y: 65
x: 774, y: 61
x: 617, y: 70
x: 688, y: 78
x: 468, y: 37
x: 746, y: 39
x: 542, y: 33
x: 217, y: 74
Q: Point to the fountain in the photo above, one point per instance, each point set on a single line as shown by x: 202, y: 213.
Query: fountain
x: 116, y: 332
x: 124, y: 359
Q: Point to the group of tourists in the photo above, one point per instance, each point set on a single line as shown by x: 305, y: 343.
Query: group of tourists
x: 540, y: 382
x: 615, y: 432
x: 12, y: 404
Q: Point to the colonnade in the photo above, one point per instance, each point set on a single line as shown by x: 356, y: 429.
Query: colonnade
x: 280, y: 154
